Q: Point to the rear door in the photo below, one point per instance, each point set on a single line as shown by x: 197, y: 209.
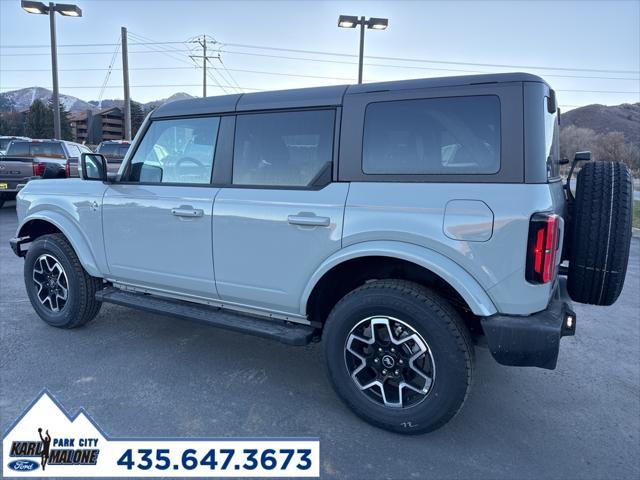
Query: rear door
x: 282, y: 215
x: 157, y: 220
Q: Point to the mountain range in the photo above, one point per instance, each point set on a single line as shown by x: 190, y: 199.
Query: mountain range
x: 22, y: 99
x: 601, y: 119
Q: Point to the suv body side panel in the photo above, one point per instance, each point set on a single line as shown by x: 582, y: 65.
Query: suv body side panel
x: 456, y: 276
x: 261, y: 256
x: 148, y: 244
x: 413, y: 213
x: 74, y: 206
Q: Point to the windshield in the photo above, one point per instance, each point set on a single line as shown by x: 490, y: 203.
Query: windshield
x: 4, y: 143
x: 551, y: 140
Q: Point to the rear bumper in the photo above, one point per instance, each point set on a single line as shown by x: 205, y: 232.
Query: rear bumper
x: 14, y: 185
x: 534, y: 340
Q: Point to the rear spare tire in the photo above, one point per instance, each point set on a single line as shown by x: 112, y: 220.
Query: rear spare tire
x: 601, y: 233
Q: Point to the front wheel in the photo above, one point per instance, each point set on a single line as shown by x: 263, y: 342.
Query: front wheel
x: 61, y: 292
x: 399, y: 356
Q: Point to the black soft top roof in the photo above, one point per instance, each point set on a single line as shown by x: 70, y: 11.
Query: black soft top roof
x: 321, y: 96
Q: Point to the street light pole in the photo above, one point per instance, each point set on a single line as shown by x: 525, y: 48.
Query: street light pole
x: 68, y: 10
x: 361, y: 57
x: 57, y: 132
x: 350, y: 21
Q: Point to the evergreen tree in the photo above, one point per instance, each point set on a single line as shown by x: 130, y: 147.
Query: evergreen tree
x: 39, y: 121
x: 12, y: 124
x: 65, y: 123
x: 137, y: 117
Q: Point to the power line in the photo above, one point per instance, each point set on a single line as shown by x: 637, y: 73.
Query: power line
x: 135, y: 86
x: 88, y: 45
x: 422, y: 60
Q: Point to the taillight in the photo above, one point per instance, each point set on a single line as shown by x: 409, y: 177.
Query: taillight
x: 67, y: 169
x: 38, y: 169
x: 542, y: 247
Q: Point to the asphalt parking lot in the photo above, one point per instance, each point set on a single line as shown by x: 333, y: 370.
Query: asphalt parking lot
x: 140, y: 374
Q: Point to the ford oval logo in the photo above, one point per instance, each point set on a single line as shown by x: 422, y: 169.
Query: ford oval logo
x: 23, y: 465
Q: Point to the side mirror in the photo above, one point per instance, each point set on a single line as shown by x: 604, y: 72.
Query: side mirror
x: 93, y: 166
x: 582, y: 156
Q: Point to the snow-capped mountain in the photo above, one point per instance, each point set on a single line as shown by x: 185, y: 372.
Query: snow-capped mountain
x: 23, y: 98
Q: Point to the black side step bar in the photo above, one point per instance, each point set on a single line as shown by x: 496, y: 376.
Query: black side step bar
x: 290, y: 334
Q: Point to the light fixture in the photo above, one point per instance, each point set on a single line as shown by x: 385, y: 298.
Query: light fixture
x: 34, y: 7
x: 351, y: 21
x: 347, y: 21
x: 378, y: 23
x: 68, y: 10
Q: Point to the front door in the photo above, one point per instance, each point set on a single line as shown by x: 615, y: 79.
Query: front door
x: 282, y: 216
x: 157, y: 220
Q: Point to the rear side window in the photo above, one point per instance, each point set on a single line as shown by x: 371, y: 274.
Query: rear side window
x: 18, y: 149
x: 176, y: 151
x: 457, y: 135
x: 290, y: 149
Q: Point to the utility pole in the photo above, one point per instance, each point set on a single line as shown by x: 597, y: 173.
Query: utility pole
x: 203, y: 43
x: 54, y: 69
x: 125, y: 82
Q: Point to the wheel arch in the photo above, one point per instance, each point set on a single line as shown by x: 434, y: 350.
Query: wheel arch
x: 36, y: 225
x: 344, y: 271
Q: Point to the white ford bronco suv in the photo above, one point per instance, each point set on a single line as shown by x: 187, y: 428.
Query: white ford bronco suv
x: 401, y: 223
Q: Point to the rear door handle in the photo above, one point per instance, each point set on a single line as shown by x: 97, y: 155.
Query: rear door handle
x: 309, y: 220
x: 187, y: 212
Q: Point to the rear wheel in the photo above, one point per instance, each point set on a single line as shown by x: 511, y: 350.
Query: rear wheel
x: 399, y: 356
x: 60, y: 290
x: 601, y: 233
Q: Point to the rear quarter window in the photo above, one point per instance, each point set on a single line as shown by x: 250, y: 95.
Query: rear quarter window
x: 18, y: 149
x: 453, y: 135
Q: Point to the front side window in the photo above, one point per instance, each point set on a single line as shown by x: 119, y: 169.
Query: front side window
x: 290, y: 149
x: 457, y: 135
x: 176, y: 151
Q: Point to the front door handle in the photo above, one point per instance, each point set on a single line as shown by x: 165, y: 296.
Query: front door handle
x: 187, y: 212
x: 309, y: 220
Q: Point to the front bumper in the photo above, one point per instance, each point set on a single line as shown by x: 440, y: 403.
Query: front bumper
x: 534, y: 340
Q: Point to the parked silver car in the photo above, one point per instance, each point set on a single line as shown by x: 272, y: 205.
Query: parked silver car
x: 401, y: 223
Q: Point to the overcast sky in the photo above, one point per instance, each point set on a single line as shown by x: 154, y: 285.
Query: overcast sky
x: 571, y: 39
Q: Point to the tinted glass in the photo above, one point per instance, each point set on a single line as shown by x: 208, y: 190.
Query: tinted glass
x: 459, y: 135
x: 282, y: 149
x: 176, y: 151
x: 115, y: 151
x: 4, y: 143
x: 552, y: 141
x: 74, y: 151
x: 18, y: 149
x: 47, y: 149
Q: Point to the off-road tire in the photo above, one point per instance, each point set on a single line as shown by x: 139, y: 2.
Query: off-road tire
x: 81, y: 305
x: 436, y: 321
x: 601, y: 233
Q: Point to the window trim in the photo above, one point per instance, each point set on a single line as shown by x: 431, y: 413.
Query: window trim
x: 364, y: 127
x: 134, y: 149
